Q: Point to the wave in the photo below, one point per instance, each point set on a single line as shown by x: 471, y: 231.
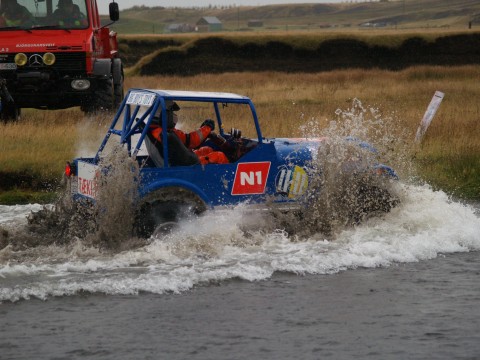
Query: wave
x: 238, y: 244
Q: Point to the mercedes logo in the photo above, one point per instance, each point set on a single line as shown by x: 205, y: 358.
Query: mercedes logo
x: 35, y: 60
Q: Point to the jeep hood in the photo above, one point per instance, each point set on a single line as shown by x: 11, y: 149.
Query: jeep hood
x: 302, y: 149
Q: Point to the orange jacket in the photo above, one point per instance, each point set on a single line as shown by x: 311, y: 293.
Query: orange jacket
x: 191, y: 140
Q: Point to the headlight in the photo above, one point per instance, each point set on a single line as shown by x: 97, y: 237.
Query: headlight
x: 80, y: 84
x: 21, y: 59
x: 48, y: 59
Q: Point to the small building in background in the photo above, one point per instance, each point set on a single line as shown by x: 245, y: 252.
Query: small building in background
x: 179, y: 28
x: 209, y: 24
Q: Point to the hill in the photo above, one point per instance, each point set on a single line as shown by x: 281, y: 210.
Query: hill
x: 403, y: 14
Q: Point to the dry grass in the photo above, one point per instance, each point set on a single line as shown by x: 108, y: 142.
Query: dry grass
x: 449, y: 155
x: 284, y: 99
x: 42, y: 141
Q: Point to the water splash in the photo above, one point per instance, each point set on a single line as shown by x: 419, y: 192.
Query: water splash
x: 88, y: 252
x: 106, y: 224
x: 425, y: 225
x: 343, y: 189
x: 117, y: 196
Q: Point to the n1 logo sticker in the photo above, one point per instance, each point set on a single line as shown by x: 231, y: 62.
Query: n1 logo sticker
x: 251, y: 178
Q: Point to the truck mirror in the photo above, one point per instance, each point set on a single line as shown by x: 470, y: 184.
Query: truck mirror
x: 114, y: 11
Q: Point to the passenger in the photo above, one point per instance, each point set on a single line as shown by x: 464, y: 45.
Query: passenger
x: 192, y: 140
x: 68, y: 14
x: 15, y: 14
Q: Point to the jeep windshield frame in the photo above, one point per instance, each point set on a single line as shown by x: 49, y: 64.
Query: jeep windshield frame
x: 149, y: 101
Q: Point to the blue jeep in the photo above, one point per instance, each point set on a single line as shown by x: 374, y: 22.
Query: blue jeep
x: 273, y: 172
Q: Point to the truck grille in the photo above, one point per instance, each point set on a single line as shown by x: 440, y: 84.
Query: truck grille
x: 70, y: 61
x: 65, y: 62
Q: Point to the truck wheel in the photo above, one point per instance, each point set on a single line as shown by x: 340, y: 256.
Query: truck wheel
x: 161, y: 211
x: 102, y: 98
x: 117, y: 74
x: 118, y: 94
x: 104, y: 95
x: 10, y: 112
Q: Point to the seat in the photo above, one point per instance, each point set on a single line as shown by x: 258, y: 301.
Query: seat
x: 178, y: 153
x: 153, y: 152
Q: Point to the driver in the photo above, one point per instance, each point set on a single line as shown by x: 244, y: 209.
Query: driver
x: 68, y: 14
x: 14, y: 14
x: 192, y: 140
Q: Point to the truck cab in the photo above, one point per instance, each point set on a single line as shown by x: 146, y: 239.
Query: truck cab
x: 55, y: 54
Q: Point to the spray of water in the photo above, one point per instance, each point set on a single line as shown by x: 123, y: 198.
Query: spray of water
x: 240, y: 244
x: 105, y: 224
x: 117, y: 195
x: 343, y: 190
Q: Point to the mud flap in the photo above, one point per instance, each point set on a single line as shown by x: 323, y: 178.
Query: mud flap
x: 102, y: 67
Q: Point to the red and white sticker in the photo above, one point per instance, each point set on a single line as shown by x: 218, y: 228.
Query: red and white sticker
x: 251, y: 178
x: 88, y: 175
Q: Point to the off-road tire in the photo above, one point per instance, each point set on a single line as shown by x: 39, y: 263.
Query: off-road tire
x: 117, y: 73
x: 118, y: 95
x: 166, y: 206
x: 103, y: 98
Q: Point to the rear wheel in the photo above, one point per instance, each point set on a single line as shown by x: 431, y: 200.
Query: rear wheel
x: 118, y: 94
x: 117, y: 73
x: 160, y: 212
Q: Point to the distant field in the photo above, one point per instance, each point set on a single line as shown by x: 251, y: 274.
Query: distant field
x: 33, y: 151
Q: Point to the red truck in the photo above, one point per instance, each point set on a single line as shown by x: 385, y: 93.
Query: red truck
x: 55, y: 54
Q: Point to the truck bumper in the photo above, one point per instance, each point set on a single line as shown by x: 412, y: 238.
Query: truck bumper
x: 41, y: 90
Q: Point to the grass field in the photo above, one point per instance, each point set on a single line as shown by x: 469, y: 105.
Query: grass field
x: 36, y: 148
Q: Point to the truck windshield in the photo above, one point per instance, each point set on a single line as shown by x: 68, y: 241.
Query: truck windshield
x: 51, y: 14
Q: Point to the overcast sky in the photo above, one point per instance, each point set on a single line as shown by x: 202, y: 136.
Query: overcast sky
x: 125, y: 4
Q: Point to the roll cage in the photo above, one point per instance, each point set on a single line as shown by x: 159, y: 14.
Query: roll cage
x: 137, y: 122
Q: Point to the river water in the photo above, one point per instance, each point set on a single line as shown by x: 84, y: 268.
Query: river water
x: 404, y: 285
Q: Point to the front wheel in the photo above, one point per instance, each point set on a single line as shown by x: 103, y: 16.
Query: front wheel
x: 103, y: 97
